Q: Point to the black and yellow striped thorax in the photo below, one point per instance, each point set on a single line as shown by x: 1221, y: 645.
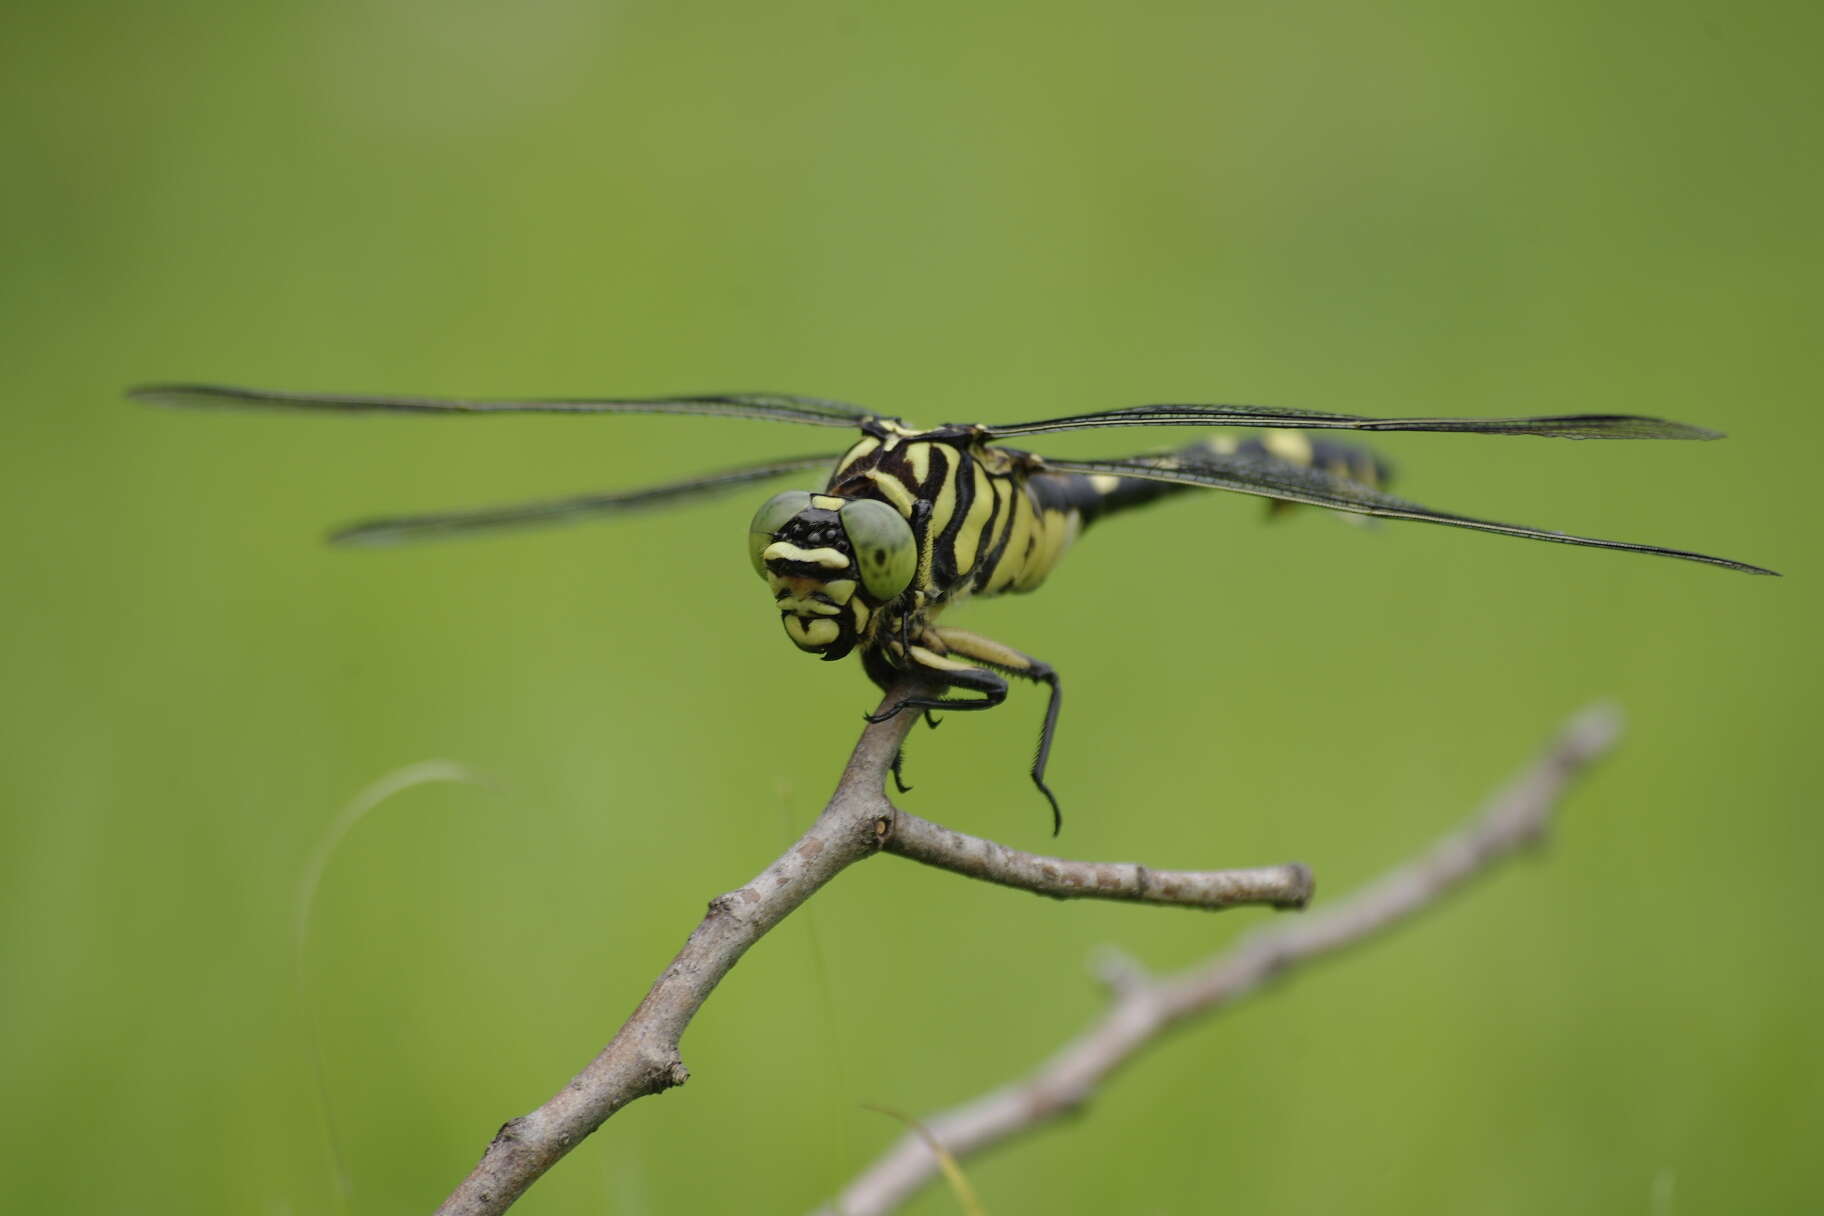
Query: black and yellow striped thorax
x: 980, y: 527
x: 978, y: 520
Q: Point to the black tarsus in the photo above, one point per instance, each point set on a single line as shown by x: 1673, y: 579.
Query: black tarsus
x: 994, y: 691
x: 1042, y: 673
x: 991, y: 686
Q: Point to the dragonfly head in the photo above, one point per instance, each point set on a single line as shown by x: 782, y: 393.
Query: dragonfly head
x: 831, y: 562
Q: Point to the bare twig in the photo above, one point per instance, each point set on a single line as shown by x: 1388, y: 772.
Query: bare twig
x: 1287, y: 886
x: 858, y: 821
x: 1142, y: 1008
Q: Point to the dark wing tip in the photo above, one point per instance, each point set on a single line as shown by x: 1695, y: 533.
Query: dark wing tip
x: 1663, y: 428
x: 1724, y: 562
x: 165, y: 394
x: 1560, y: 426
x: 206, y: 395
x: 1634, y: 426
x: 370, y: 534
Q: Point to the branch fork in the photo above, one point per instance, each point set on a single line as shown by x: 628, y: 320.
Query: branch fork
x: 859, y: 821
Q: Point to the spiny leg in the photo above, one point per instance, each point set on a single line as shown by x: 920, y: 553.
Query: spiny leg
x: 899, y: 756
x: 949, y: 672
x: 1016, y: 663
x: 899, y: 753
x: 899, y: 780
x: 945, y: 672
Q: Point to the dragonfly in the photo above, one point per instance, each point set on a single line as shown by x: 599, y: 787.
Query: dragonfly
x: 911, y: 521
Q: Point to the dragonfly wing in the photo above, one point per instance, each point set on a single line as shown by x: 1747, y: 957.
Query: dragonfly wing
x: 776, y: 407
x: 1563, y: 426
x: 1267, y: 477
x: 403, y: 528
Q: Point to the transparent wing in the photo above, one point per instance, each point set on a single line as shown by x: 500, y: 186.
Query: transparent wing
x: 1563, y: 426
x: 403, y: 528
x: 1267, y: 477
x: 776, y: 407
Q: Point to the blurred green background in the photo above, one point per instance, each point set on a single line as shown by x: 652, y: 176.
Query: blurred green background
x: 951, y: 212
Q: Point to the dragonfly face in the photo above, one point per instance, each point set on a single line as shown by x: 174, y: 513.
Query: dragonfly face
x: 832, y: 563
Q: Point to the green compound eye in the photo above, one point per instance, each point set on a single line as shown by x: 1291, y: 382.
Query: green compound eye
x: 885, y: 553
x: 769, y: 519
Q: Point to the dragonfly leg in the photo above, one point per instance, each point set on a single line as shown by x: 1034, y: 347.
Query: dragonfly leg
x: 942, y: 663
x: 1016, y: 663
x: 946, y: 673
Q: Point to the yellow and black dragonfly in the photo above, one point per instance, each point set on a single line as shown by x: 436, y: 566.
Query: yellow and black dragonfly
x: 910, y: 521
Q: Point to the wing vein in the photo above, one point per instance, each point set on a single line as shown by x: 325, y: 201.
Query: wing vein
x: 1266, y: 477
x: 1563, y: 426
x: 775, y: 407
x: 399, y: 529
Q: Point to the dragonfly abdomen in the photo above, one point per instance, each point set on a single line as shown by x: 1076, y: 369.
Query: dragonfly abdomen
x: 1095, y: 496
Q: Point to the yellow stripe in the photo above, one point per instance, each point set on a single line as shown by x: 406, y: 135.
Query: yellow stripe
x: 1003, y: 515
x: 929, y: 658
x: 1013, y: 558
x: 826, y: 502
x: 786, y: 551
x: 919, y: 454
x: 943, y: 507
x: 894, y: 490
x: 969, y: 536
x: 984, y: 650
x: 1288, y: 445
x: 808, y: 607
x: 811, y: 633
x: 852, y: 455
x: 1058, y: 530
x: 1001, y: 538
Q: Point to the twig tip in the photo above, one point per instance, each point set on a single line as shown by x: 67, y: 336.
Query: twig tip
x: 1595, y: 729
x: 1118, y: 971
x: 1301, y: 889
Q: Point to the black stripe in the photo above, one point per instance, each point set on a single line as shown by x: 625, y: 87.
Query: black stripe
x: 985, y: 569
x: 987, y: 534
x: 943, y: 557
